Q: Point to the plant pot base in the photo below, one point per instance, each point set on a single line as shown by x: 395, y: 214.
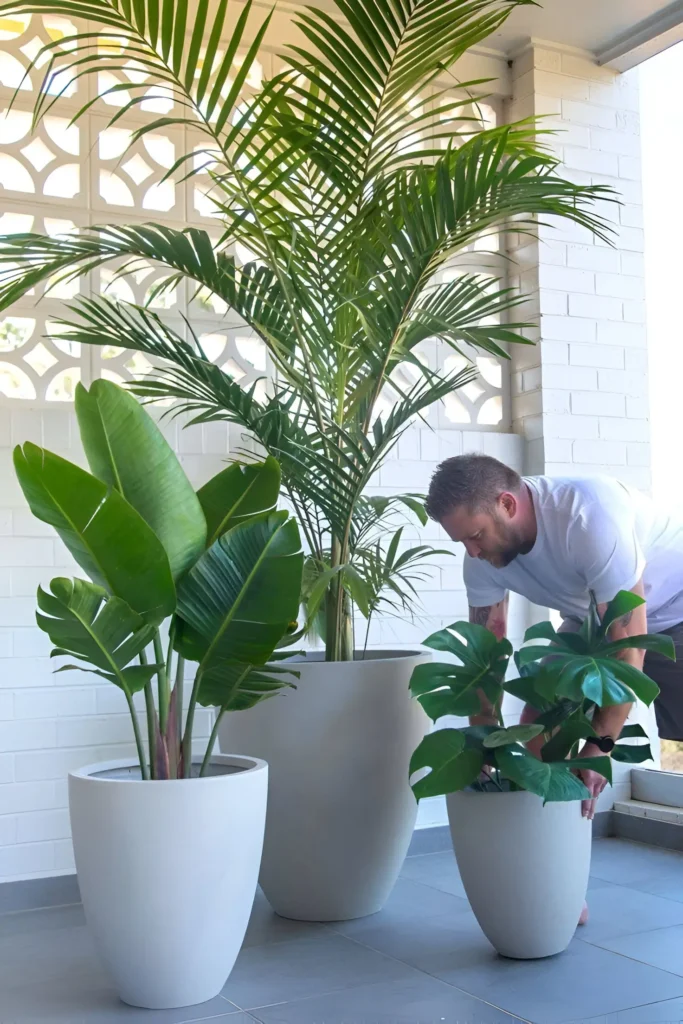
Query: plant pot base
x: 524, y: 867
x: 168, y: 872
x: 340, y: 810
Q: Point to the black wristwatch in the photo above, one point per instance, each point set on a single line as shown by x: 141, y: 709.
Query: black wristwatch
x: 604, y: 743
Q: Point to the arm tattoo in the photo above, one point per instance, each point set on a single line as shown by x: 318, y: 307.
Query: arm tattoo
x: 480, y: 615
x: 625, y: 620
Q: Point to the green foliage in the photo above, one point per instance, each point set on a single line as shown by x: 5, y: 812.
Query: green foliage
x: 558, y: 679
x: 351, y: 225
x: 137, y: 528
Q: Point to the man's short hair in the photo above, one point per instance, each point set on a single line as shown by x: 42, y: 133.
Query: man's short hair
x: 471, y: 481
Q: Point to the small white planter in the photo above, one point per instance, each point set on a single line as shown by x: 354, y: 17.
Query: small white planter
x: 524, y: 868
x: 167, y: 872
x: 340, y: 810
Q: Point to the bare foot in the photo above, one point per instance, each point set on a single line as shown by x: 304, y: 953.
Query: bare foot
x: 583, y: 919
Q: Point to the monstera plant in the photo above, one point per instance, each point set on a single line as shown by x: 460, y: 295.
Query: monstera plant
x: 219, y: 570
x: 565, y: 679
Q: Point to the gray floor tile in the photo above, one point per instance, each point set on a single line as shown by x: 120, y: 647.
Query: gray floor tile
x: 279, y: 971
x: 438, y: 870
x: 31, y: 921
x: 600, y: 883
x: 619, y: 910
x: 584, y: 981
x: 668, y: 1012
x: 616, y: 860
x: 418, y: 1000
x: 668, y: 886
x: 415, y: 937
x: 82, y: 1000
x: 266, y: 926
x: 50, y: 974
x: 662, y: 947
x: 409, y: 904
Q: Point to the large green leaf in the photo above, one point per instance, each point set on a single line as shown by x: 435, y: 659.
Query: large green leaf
x: 106, y: 536
x: 576, y: 728
x: 128, y: 452
x: 624, y: 602
x: 462, y: 696
x: 564, y: 785
x: 236, y: 492
x: 513, y: 734
x: 524, y: 769
x: 453, y: 766
x: 233, y: 686
x: 629, y: 753
x: 239, y: 598
x: 484, y: 662
x: 84, y: 622
x: 552, y: 781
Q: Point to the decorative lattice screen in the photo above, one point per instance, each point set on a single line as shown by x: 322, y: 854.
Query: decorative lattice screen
x: 64, y: 177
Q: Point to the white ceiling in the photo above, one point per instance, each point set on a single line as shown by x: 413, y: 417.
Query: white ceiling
x: 620, y: 33
x: 588, y: 24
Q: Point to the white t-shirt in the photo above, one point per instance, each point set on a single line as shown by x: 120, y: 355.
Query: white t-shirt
x: 593, y: 534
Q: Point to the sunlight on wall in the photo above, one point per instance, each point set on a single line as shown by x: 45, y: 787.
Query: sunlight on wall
x: 661, y: 87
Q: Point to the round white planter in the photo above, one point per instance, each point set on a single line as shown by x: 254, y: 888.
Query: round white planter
x: 340, y: 810
x: 167, y: 872
x: 524, y: 868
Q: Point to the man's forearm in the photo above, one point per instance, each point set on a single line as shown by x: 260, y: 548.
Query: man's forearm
x: 609, y: 721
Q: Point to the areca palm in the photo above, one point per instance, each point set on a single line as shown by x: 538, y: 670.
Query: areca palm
x: 350, y: 223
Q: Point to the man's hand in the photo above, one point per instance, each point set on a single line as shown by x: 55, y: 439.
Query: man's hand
x: 593, y: 781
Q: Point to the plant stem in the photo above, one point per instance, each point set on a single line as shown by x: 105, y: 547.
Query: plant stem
x: 212, y: 741
x: 189, y: 722
x: 164, y: 695
x: 169, y: 653
x: 179, y: 682
x: 150, y: 714
x: 138, y: 738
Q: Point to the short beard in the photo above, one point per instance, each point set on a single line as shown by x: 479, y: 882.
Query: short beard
x: 509, y: 554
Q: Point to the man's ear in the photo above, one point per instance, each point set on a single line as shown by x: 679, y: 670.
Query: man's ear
x: 508, y: 504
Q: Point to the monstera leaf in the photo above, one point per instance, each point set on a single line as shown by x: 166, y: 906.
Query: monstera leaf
x: 127, y: 451
x: 84, y: 622
x: 454, y: 765
x: 237, y: 602
x: 108, y: 538
x: 444, y: 688
x: 553, y: 781
x: 586, y: 664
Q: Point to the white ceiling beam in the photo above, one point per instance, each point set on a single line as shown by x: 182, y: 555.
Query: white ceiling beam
x: 647, y: 38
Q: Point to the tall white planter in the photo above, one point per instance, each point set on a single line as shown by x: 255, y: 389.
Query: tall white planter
x: 524, y: 867
x: 340, y: 810
x: 167, y: 872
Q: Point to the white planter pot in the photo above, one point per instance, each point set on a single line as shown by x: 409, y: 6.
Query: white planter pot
x: 340, y: 811
x: 167, y: 872
x: 524, y: 868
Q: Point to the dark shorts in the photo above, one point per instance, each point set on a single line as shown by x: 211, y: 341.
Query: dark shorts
x: 668, y: 676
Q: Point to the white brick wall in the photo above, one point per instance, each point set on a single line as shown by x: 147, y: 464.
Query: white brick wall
x: 585, y: 409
